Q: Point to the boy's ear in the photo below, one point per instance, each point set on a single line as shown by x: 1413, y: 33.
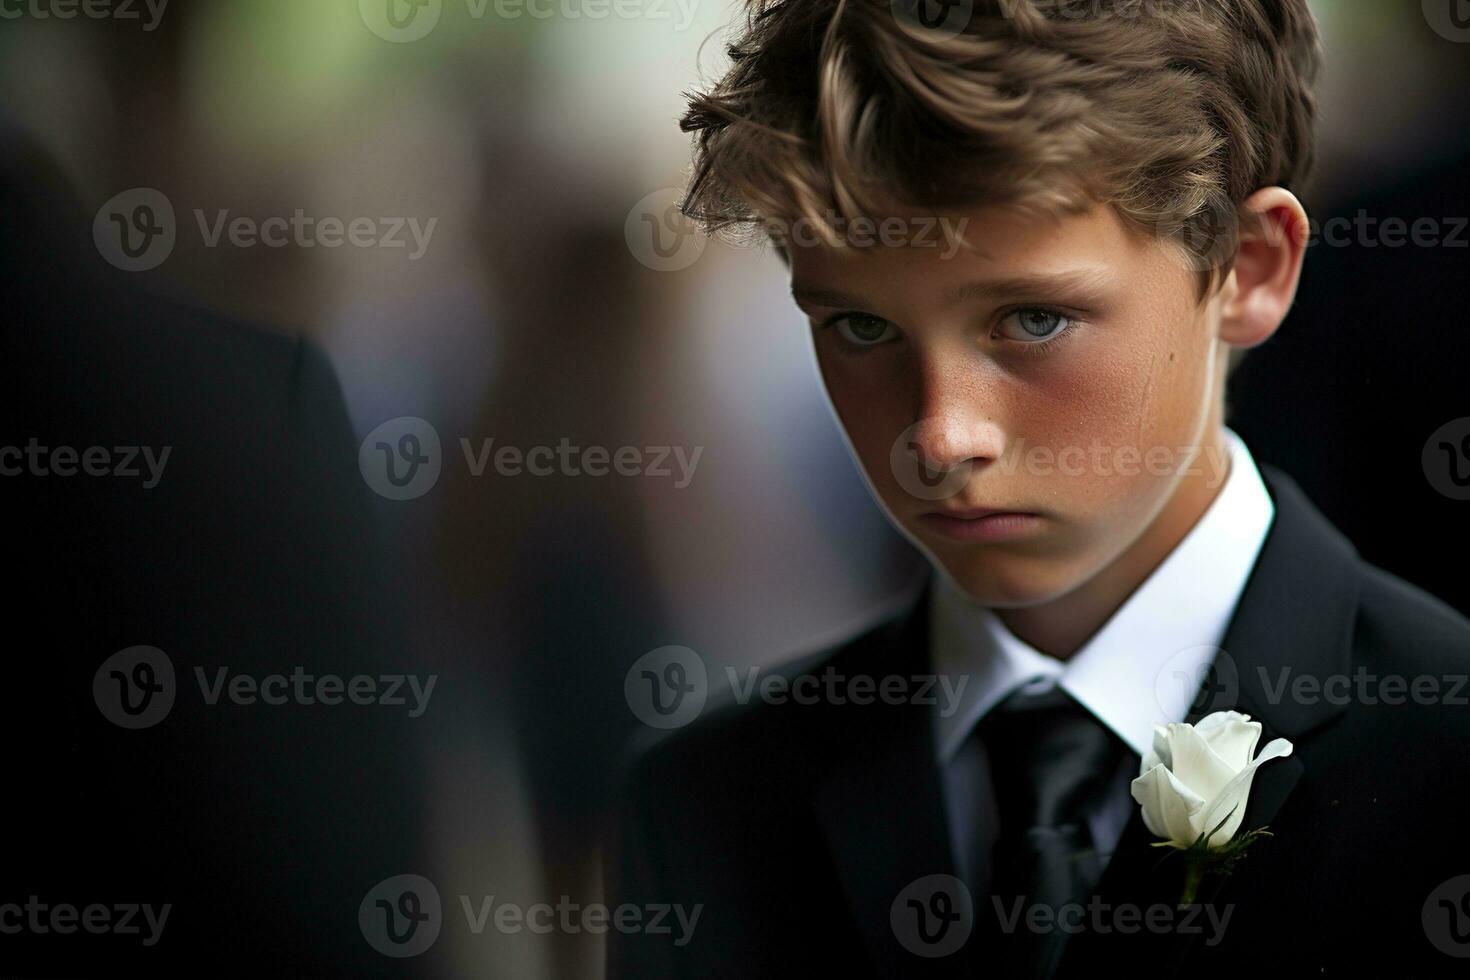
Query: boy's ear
x: 1268, y: 266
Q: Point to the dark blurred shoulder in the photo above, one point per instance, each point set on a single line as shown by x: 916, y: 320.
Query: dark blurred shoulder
x: 745, y: 743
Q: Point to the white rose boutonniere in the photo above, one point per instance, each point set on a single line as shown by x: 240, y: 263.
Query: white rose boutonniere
x: 1193, y: 786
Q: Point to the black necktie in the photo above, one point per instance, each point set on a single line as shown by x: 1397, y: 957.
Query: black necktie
x: 1051, y: 762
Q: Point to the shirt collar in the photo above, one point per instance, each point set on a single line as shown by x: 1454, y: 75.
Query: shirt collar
x: 1143, y: 667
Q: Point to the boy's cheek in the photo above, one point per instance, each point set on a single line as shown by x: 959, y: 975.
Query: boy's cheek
x: 1089, y: 444
x: 872, y: 424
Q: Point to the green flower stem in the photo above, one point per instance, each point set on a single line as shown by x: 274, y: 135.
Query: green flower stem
x: 1200, y: 860
x: 1194, y: 872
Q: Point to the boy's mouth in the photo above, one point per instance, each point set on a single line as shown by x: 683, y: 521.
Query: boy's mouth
x: 980, y: 524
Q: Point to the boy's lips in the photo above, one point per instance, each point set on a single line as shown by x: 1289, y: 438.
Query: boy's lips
x: 980, y: 523
x: 975, y: 513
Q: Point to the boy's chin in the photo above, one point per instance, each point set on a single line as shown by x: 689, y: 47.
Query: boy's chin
x: 1008, y: 581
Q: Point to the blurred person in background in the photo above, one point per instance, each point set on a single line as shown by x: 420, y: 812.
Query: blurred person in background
x: 1367, y: 383
x: 184, y: 508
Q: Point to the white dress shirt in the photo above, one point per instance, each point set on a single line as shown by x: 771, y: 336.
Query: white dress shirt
x: 1142, y: 668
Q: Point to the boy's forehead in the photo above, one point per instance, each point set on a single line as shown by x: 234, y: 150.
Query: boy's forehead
x: 987, y: 242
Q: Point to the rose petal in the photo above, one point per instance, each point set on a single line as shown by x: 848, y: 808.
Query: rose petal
x: 1169, y: 807
x: 1195, y: 763
x: 1233, y: 739
x: 1158, y: 754
x: 1235, y: 794
x: 1215, y: 718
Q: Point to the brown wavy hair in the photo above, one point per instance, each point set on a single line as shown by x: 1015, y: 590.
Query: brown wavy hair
x: 1171, y: 111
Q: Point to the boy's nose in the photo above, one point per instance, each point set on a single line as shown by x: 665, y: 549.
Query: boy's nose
x: 958, y: 421
x: 952, y: 437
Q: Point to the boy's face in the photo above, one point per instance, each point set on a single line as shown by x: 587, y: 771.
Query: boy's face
x: 1064, y: 369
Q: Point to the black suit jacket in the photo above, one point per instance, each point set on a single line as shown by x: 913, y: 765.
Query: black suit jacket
x: 795, y: 827
x: 262, y: 827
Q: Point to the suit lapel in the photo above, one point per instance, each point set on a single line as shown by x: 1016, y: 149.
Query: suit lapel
x: 881, y: 805
x: 1295, y: 618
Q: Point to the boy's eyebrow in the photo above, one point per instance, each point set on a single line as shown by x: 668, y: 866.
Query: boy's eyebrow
x: 816, y: 296
x: 1085, y: 280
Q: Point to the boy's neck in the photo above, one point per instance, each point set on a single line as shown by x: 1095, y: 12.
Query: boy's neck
x: 1063, y: 626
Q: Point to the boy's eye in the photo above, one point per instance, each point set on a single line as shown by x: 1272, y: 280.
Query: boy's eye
x: 863, y: 329
x: 1032, y: 325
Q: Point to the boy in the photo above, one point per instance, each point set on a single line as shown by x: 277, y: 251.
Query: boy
x: 1041, y: 412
